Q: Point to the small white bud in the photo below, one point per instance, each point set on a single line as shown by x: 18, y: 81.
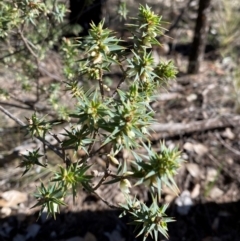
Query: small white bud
x: 98, y: 59
x: 131, y: 134
x: 144, y: 130
x: 136, y: 204
x: 93, y: 53
x: 125, y: 185
x: 119, y: 140
x: 128, y: 173
x: 113, y: 159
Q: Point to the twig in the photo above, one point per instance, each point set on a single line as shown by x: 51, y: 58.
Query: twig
x: 16, y: 106
x: 29, y: 103
x: 92, y: 143
x: 106, y: 174
x: 223, y: 167
x: 175, y: 23
x: 97, y: 151
x: 106, y: 202
x: 12, y: 117
x: 120, y: 82
x: 53, y: 76
x: 101, y: 83
x: 174, y: 129
x: 64, y: 156
x: 45, y: 153
x: 18, y: 121
x: 226, y: 145
x: 38, y: 109
x: 27, y: 45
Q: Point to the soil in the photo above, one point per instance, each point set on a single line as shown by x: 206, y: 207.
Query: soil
x: 198, y: 114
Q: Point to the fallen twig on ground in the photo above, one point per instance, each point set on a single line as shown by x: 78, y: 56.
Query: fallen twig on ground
x: 168, y: 130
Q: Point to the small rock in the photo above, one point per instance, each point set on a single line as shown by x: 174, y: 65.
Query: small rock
x: 191, y: 97
x: 228, y: 134
x: 216, y: 193
x: 193, y: 169
x: 229, y: 160
x: 200, y: 149
x: 184, y: 203
x: 14, y: 197
x: 188, y: 147
x: 211, y: 174
x: 5, y: 212
x: 185, y: 156
x: 196, y: 191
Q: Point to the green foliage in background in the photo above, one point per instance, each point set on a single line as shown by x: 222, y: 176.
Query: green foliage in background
x: 29, y: 30
x: 104, y: 120
x: 228, y: 20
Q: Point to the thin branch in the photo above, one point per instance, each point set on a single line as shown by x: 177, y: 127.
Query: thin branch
x: 92, y: 143
x: 15, y: 105
x: 120, y: 82
x: 18, y: 121
x: 223, y: 168
x: 175, y: 23
x: 53, y: 76
x: 106, y: 174
x: 227, y: 146
x: 29, y: 103
x: 101, y: 83
x: 63, y: 150
x: 167, y: 130
x: 97, y: 151
x: 45, y: 153
x: 38, y: 109
x: 12, y: 116
x: 106, y: 202
x: 27, y: 45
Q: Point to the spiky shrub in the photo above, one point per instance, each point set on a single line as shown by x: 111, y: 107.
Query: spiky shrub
x: 117, y: 118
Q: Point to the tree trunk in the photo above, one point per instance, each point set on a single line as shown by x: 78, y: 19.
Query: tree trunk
x: 200, y: 36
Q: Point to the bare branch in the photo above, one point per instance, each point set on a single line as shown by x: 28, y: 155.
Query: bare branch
x: 51, y: 147
x: 167, y: 130
x: 226, y: 145
x: 106, y: 202
x: 6, y: 112
x: 27, y: 45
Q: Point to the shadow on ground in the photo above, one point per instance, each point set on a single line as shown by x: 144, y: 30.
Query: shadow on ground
x: 204, y: 222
